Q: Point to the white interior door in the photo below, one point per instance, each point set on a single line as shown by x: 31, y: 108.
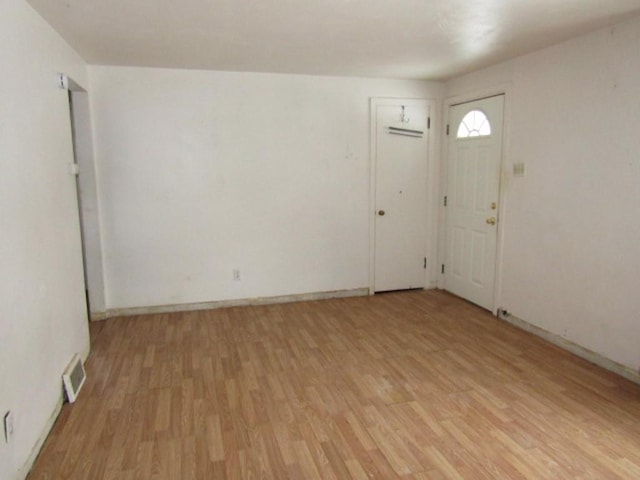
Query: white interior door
x: 473, y: 180
x: 401, y: 149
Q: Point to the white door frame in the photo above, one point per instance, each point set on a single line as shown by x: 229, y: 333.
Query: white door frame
x: 505, y: 175
x: 85, y: 171
x: 433, y: 136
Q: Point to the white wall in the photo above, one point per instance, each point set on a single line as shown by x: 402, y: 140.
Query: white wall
x: 571, y: 251
x: 42, y: 310
x: 204, y: 172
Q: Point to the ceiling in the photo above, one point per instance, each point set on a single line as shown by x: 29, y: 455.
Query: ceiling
x: 422, y: 39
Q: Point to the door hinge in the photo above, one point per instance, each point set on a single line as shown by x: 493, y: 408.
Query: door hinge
x: 428, y: 123
x: 445, y: 201
x: 425, y: 263
x: 442, y: 268
x: 447, y: 129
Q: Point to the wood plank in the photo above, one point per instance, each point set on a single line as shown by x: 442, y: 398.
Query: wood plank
x: 416, y: 385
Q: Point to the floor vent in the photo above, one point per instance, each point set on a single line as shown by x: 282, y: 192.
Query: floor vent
x: 73, y: 378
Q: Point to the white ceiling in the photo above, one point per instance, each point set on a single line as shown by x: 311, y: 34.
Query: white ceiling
x: 426, y: 39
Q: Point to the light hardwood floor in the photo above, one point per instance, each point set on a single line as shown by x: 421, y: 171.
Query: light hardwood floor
x: 416, y: 385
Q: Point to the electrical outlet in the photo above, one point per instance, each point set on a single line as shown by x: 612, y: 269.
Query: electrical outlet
x: 236, y: 275
x: 8, y: 426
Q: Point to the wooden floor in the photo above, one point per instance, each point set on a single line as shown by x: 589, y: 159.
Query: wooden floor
x: 416, y: 385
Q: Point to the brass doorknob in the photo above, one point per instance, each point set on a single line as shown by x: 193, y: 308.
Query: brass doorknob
x: 491, y: 221
x: 381, y: 212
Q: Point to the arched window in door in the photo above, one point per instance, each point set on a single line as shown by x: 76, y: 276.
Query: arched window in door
x: 474, y: 124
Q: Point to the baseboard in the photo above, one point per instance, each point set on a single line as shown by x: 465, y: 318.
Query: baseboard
x: 242, y: 302
x: 97, y: 316
x: 35, y: 451
x: 572, y: 347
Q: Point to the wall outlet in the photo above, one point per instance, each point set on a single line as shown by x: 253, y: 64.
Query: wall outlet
x: 236, y: 274
x: 8, y: 426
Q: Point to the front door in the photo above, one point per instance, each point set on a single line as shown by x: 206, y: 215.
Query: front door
x: 401, y: 147
x: 473, y: 181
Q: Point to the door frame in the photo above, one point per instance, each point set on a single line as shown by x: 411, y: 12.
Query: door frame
x: 503, y: 181
x: 433, y: 142
x: 85, y: 161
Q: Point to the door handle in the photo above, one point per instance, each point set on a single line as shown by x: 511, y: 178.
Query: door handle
x: 491, y: 221
x: 381, y: 212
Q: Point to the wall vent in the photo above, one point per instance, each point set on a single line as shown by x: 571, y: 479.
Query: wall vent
x: 73, y: 378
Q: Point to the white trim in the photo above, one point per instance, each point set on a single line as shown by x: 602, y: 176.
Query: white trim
x: 431, y: 186
x: 96, y: 316
x: 502, y: 89
x: 241, y: 302
x: 35, y: 451
x: 46, y: 431
x: 572, y: 347
x: 66, y: 83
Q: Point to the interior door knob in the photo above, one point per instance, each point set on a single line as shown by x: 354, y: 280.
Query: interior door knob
x: 381, y: 212
x: 491, y: 221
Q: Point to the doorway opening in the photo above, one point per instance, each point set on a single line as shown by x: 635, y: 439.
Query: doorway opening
x: 87, y: 196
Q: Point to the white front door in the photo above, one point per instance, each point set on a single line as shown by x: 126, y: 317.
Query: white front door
x: 473, y: 181
x: 401, y: 148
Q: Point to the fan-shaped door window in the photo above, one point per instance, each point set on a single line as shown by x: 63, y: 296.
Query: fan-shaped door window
x: 474, y: 124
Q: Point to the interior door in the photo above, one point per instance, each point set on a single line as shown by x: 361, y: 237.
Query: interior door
x: 473, y: 181
x: 401, y: 148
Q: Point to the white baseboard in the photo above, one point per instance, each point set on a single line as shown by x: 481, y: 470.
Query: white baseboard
x: 572, y: 347
x: 96, y: 316
x: 35, y: 451
x: 242, y: 302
